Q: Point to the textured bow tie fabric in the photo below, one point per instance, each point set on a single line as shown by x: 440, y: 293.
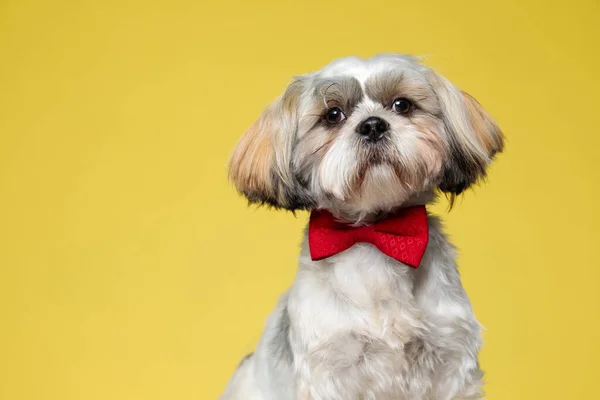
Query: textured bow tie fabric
x: 402, y: 236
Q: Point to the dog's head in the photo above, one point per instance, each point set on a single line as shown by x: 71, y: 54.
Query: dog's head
x: 364, y: 136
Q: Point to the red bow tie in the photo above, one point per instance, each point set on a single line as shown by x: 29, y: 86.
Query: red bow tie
x: 402, y: 236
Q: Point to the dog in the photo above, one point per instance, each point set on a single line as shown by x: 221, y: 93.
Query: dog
x: 377, y: 310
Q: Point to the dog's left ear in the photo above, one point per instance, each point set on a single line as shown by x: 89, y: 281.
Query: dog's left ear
x: 473, y: 137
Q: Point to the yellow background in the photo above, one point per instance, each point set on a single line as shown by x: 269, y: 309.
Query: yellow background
x: 129, y: 268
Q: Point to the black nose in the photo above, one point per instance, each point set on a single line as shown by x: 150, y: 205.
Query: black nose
x: 373, y: 128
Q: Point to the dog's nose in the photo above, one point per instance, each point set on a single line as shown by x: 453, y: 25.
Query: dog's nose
x: 373, y: 128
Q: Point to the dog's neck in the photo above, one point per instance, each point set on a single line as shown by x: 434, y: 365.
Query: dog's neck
x: 358, y: 217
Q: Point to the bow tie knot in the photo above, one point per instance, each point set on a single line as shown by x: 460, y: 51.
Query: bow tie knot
x: 364, y: 234
x: 402, y: 236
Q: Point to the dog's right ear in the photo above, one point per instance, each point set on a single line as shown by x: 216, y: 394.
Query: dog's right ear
x: 260, y: 166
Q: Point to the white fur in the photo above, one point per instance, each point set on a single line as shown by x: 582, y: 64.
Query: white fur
x: 363, y: 326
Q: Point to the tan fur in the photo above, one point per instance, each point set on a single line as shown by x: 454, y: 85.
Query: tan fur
x: 252, y: 159
x: 260, y: 166
x: 486, y: 130
x: 474, y: 129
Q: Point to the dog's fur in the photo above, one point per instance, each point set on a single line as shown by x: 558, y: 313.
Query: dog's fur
x: 360, y: 325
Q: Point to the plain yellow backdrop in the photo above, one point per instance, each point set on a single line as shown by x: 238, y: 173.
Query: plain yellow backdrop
x: 130, y: 269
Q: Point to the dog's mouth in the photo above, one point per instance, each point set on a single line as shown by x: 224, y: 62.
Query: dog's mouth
x: 377, y: 152
x: 380, y: 165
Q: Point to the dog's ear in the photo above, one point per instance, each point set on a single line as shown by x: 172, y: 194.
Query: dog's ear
x: 260, y: 166
x: 473, y: 137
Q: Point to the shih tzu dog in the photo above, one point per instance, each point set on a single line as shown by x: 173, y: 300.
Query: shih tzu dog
x: 377, y: 310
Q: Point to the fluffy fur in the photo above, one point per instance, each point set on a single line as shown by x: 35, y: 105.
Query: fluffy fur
x: 360, y: 325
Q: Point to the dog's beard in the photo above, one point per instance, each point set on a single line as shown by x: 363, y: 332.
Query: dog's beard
x: 357, y: 180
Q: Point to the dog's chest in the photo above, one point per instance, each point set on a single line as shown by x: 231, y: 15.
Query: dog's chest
x: 352, y: 318
x: 360, y: 292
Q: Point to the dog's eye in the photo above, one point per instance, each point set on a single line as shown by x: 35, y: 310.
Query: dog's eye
x: 402, y: 106
x: 334, y: 116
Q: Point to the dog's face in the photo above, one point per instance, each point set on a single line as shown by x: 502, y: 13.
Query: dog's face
x: 362, y: 137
